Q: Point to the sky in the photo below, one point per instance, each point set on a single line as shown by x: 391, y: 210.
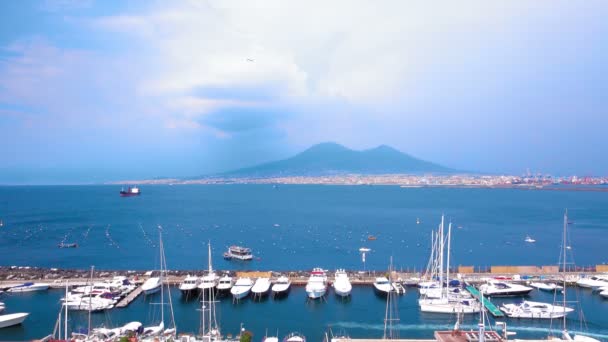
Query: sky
x: 94, y: 91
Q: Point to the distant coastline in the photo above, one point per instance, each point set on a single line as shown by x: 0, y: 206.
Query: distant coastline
x: 401, y: 180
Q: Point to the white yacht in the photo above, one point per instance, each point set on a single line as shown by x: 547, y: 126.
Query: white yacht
x: 225, y: 283
x: 281, y: 286
x: 528, y: 309
x: 504, y: 289
x: 604, y: 293
x: 261, y: 287
x: 594, y: 281
x: 152, y: 285
x: 241, y: 288
x: 12, y: 319
x: 88, y: 302
x: 316, y: 287
x: 382, y: 285
x: 342, y: 285
x: 189, y: 285
x: 29, y: 287
x: 549, y: 287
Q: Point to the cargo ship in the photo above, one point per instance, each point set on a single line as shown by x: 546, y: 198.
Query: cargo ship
x: 131, y: 191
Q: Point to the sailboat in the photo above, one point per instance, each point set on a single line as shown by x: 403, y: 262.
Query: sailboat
x: 158, y: 332
x: 565, y: 334
x: 441, y: 300
x: 209, y: 328
x: 210, y: 280
x: 391, y: 315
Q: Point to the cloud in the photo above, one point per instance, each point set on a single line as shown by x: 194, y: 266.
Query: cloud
x: 435, y: 80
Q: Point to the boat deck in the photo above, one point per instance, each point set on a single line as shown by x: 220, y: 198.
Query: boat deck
x: 486, y: 302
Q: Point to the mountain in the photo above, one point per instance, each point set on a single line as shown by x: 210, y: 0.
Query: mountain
x: 332, y: 158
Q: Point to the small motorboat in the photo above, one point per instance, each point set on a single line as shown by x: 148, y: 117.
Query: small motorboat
x: 12, y: 319
x: 504, y: 289
x: 2, y: 307
x: 68, y: 245
x: 529, y: 239
x: 281, y: 286
x: 152, y: 285
x: 371, y: 238
x: 29, y: 287
x: 547, y: 286
x: 342, y: 285
x: 382, y: 286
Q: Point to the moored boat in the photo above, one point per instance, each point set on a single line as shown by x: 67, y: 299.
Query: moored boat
x: 382, y: 286
x: 29, y: 287
x: 547, y: 286
x: 294, y: 337
x: 241, y: 288
x: 342, y: 286
x: 261, y: 287
x: 151, y: 285
x: 529, y: 309
x: 281, y: 286
x: 189, y: 285
x: 12, y: 319
x: 316, y: 287
x: 225, y: 283
x: 504, y: 289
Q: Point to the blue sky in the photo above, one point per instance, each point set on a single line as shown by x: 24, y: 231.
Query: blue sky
x: 105, y: 90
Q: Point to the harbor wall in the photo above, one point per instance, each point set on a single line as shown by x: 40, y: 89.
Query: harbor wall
x: 524, y: 269
x: 601, y: 268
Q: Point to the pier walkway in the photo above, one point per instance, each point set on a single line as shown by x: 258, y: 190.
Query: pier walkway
x: 486, y: 302
x: 129, y: 298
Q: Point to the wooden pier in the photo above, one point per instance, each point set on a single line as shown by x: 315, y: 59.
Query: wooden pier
x: 129, y: 298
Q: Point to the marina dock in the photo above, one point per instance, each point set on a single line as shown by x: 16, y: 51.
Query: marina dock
x: 129, y: 298
x: 486, y: 302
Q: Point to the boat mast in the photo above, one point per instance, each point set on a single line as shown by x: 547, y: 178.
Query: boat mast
x: 65, y: 307
x: 162, y: 278
x: 90, y: 291
x: 564, y: 268
x: 447, y: 269
x: 441, y: 245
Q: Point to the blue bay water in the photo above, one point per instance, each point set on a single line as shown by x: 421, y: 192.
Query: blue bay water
x: 290, y: 228
x: 294, y: 227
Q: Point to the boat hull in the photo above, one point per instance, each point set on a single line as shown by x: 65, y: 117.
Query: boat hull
x: 240, y: 294
x: 511, y: 293
x: 12, y: 319
x: 316, y: 293
x: 32, y: 288
x: 440, y: 306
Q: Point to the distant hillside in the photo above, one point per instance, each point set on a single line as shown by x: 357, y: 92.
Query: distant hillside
x: 332, y: 158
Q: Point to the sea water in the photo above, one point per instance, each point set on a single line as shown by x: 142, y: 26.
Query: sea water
x: 295, y: 227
